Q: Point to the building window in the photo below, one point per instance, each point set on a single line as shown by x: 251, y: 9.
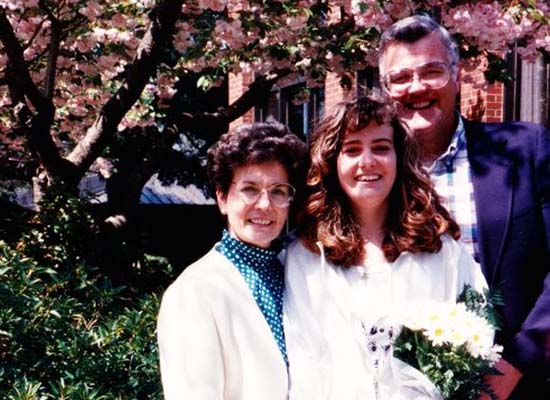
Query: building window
x: 527, y: 98
x: 284, y: 105
x: 367, y: 79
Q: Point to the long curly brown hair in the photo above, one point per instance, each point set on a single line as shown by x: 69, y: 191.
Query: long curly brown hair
x: 416, y: 218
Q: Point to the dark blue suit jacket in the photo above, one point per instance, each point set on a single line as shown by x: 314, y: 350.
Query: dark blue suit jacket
x: 510, y: 164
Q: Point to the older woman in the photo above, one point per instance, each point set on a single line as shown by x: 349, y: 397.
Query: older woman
x: 375, y: 239
x: 220, y: 327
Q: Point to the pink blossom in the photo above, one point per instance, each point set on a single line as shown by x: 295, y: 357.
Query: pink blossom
x: 15, y: 5
x: 370, y: 58
x: 214, y: 5
x: 372, y: 17
x: 229, y: 34
x: 85, y: 44
x: 106, y: 62
x: 76, y: 108
x: 238, y: 5
x: 66, y: 125
x: 398, y: 9
x: 305, y: 4
x: 25, y: 29
x: 92, y: 10
x: 314, y: 81
x: 166, y: 86
x: 182, y: 41
x: 99, y: 35
x: 29, y: 53
x: 288, y: 80
x: 191, y: 9
x: 143, y: 3
x: 5, y: 99
x: 335, y: 62
x: 195, y: 65
x: 297, y: 22
x: 118, y: 20
x: 489, y: 25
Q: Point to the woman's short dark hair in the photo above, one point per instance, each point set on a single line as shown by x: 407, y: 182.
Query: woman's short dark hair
x: 256, y: 143
x: 416, y: 219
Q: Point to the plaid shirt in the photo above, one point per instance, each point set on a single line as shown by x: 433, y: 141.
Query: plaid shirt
x: 451, y: 176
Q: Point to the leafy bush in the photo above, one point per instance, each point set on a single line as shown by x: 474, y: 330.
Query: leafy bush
x: 63, y: 232
x: 65, y: 331
x: 72, y: 335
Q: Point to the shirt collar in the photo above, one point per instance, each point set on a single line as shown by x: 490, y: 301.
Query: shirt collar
x: 458, y: 142
x: 252, y: 256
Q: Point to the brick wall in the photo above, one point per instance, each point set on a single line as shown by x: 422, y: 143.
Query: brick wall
x: 479, y: 100
x: 238, y: 83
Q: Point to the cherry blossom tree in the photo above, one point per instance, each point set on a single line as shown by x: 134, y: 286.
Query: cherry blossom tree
x: 81, y: 80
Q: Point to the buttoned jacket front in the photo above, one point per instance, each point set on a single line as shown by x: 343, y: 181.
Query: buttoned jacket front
x: 214, y: 341
x: 510, y: 166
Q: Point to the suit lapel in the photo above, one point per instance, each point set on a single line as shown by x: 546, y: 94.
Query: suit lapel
x: 493, y: 195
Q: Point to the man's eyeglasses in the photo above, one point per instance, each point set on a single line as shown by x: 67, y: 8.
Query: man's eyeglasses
x: 280, y: 194
x: 434, y: 75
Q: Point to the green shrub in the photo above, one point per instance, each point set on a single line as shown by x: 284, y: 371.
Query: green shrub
x: 63, y: 232
x: 72, y: 335
x: 65, y: 331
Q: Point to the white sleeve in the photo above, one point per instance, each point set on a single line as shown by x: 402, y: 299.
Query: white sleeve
x: 303, y: 331
x: 469, y: 271
x: 303, y: 291
x: 191, y: 358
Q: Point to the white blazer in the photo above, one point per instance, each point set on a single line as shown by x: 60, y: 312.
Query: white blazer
x: 326, y: 308
x: 214, y: 341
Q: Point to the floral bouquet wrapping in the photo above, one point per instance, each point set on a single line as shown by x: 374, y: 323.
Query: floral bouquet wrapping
x: 452, y: 344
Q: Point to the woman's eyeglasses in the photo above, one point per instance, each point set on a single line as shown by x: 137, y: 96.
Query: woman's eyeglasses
x: 280, y: 194
x: 433, y: 75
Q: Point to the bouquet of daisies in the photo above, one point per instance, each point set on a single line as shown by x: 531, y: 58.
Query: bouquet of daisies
x: 452, y: 344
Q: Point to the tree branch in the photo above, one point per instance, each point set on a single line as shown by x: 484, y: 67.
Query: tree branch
x: 259, y: 89
x: 37, y: 124
x: 53, y: 50
x: 15, y: 54
x: 163, y: 18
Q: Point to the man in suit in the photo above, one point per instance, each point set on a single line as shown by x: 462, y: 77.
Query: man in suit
x: 495, y: 180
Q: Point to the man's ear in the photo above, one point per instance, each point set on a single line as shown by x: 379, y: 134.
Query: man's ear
x: 221, y: 198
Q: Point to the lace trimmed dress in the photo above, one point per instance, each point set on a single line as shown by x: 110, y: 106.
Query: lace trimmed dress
x: 339, y: 321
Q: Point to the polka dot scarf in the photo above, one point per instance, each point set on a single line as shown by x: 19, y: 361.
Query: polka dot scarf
x: 264, y: 274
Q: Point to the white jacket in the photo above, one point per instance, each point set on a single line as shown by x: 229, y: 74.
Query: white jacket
x: 214, y: 341
x: 326, y: 309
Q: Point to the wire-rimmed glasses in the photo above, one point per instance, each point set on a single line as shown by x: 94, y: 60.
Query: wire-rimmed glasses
x: 434, y: 75
x: 280, y: 194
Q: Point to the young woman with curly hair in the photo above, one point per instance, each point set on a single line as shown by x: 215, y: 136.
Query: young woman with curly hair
x: 417, y: 219
x: 374, y: 237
